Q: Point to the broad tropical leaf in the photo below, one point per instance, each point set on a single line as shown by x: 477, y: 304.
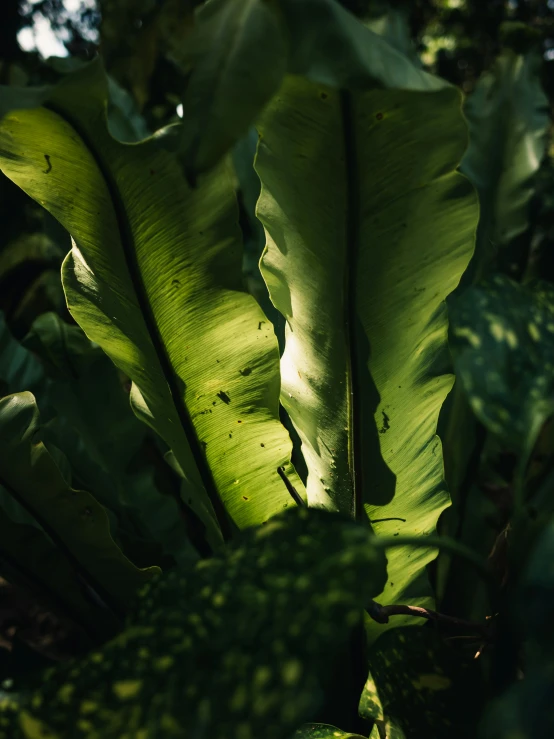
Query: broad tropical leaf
x: 508, y: 119
x: 369, y: 227
x: 240, y: 57
x: 72, y: 519
x: 154, y: 279
x: 264, y: 623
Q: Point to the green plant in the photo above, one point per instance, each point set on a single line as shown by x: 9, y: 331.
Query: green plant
x: 270, y: 488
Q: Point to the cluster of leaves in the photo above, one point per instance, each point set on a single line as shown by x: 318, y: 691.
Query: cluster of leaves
x: 169, y: 397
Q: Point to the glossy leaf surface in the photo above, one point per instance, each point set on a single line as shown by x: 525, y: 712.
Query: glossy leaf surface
x: 154, y: 279
x: 369, y: 227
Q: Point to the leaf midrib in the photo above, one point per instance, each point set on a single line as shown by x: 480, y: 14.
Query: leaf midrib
x: 127, y: 241
x: 352, y: 236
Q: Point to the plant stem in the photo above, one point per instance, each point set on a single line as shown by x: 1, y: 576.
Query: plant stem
x: 381, y: 614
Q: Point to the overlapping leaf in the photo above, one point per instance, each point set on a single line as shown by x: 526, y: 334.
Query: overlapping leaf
x: 73, y: 519
x: 369, y: 228
x: 239, y: 59
x: 154, y: 279
x: 101, y: 438
x: 508, y: 119
x: 240, y: 646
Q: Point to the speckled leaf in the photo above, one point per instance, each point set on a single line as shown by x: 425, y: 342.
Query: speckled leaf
x: 263, y: 624
x: 73, y: 519
x: 154, y: 278
x: 323, y: 731
x: 502, y: 340
x: 370, y: 706
x: 369, y: 227
x: 239, y: 59
x: 508, y: 119
x: 387, y: 729
x: 426, y: 687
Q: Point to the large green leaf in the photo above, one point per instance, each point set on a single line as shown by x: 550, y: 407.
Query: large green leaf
x: 154, y: 278
x: 241, y: 646
x: 73, y: 519
x: 508, y: 119
x: 369, y: 227
x: 239, y: 59
x: 240, y: 50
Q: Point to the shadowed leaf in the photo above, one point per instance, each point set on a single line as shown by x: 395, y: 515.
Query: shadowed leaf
x: 239, y: 59
x: 502, y: 340
x: 73, y: 519
x: 265, y: 623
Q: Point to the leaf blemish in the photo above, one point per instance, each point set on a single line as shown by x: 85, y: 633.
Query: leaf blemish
x: 245, y: 372
x: 224, y: 397
x: 386, y: 425
x: 49, y: 163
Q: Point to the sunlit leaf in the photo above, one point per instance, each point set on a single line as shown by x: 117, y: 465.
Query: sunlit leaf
x: 369, y: 227
x: 154, y: 278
